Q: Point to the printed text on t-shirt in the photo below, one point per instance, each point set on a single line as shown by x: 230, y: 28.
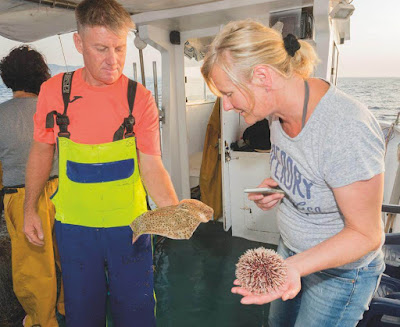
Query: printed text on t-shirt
x: 285, y: 171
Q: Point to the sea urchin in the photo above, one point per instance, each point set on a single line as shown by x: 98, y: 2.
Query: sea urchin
x: 261, y: 270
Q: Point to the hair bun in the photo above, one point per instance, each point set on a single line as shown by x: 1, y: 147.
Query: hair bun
x: 291, y: 44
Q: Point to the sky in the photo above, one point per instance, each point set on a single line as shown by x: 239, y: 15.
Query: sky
x: 372, y: 51
x: 374, y: 46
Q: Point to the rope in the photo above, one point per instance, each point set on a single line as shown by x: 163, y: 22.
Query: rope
x: 390, y: 132
x: 62, y: 50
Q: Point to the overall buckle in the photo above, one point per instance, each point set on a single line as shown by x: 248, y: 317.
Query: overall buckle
x: 129, y: 122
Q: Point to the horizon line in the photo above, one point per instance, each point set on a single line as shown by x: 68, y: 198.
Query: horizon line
x: 368, y: 77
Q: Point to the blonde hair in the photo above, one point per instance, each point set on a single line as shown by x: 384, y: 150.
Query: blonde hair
x: 106, y: 13
x: 242, y: 45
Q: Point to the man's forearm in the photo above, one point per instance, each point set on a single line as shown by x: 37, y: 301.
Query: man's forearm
x: 156, y: 180
x: 37, y: 173
x: 160, y: 188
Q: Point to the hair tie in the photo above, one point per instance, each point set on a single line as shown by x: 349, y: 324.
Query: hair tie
x: 291, y: 44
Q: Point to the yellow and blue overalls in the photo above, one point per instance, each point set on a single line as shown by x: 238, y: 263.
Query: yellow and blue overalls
x: 99, y: 194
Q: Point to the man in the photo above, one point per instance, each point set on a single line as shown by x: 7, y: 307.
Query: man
x: 33, y: 268
x: 100, y: 190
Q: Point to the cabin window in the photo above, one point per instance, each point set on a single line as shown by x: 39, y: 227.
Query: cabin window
x: 196, y: 88
x: 296, y: 21
x: 151, y: 76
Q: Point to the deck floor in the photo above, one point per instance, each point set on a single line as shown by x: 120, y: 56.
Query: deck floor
x: 193, y: 280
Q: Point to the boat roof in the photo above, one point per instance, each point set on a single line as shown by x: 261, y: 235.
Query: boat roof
x: 32, y: 20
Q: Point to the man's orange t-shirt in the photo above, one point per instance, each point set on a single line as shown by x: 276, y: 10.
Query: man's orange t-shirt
x: 96, y: 116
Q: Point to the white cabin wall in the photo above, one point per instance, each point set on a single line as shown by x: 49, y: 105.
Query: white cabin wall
x: 174, y: 134
x: 197, y: 116
x: 174, y: 131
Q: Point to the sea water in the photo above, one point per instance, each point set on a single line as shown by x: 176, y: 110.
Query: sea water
x: 5, y: 93
x: 381, y: 95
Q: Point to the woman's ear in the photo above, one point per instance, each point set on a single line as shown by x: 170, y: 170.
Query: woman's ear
x: 262, y: 76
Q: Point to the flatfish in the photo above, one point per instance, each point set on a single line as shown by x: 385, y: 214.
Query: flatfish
x: 177, y: 222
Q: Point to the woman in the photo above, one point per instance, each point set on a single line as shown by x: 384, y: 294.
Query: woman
x: 327, y: 155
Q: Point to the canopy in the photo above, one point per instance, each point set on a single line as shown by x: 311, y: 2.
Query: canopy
x: 29, y: 21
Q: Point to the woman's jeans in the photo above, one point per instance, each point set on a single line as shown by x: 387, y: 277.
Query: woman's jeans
x: 328, y: 298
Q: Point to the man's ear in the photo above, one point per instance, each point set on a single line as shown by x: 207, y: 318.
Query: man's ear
x: 78, y: 42
x: 262, y: 76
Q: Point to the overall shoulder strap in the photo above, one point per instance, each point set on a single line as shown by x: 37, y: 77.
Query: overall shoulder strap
x: 62, y: 120
x: 66, y: 89
x: 132, y: 86
x: 126, y: 128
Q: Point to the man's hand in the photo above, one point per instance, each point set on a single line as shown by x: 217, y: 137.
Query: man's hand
x: 266, y: 202
x: 288, y: 290
x: 33, y: 229
x: 37, y: 174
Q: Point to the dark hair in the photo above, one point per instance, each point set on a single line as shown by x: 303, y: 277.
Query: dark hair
x: 107, y: 13
x: 24, y: 69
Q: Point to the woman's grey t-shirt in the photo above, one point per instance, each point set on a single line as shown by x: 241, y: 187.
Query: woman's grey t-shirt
x: 16, y: 135
x: 341, y: 143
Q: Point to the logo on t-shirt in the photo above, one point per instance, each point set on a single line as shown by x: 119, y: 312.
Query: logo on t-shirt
x: 286, y: 171
x: 76, y: 97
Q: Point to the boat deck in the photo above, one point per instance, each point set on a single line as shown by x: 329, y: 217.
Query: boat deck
x: 193, y: 280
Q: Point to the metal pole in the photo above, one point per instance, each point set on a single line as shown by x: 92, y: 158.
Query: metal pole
x: 160, y: 112
x: 155, y: 82
x: 135, y: 71
x: 140, y: 45
x: 142, y: 67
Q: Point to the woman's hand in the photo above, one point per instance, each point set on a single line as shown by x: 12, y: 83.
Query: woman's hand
x: 266, y: 202
x: 288, y: 290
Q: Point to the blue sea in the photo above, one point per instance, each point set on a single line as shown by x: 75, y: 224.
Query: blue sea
x: 381, y: 95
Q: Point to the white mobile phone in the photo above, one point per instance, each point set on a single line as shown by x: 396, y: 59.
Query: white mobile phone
x: 264, y: 190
